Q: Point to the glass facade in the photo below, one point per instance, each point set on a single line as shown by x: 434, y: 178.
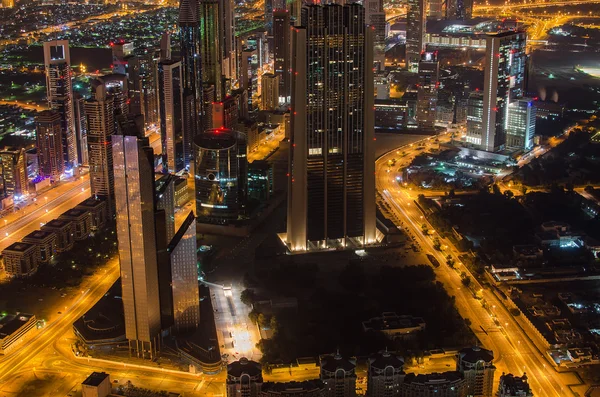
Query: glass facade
x: 171, y: 115
x: 415, y: 33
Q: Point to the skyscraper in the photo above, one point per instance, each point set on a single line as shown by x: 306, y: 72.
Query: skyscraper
x: 210, y: 40
x: 504, y: 82
x: 521, y: 124
x: 281, y: 52
x: 48, y: 128
x: 228, y: 43
x: 14, y: 171
x: 80, y: 129
x: 474, y: 118
x: 459, y: 9
x: 189, y: 30
x: 415, y: 33
x: 375, y: 18
x: 136, y: 234
x: 59, y: 92
x: 436, y: 9
x: 427, y: 90
x: 269, y: 92
x: 331, y: 199
x: 171, y: 114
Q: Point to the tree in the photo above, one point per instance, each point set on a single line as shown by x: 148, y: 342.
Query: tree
x: 508, y: 194
x: 253, y: 316
x: 589, y: 189
x: 569, y: 186
x: 248, y: 297
x: 466, y: 280
x: 496, y: 189
x: 451, y: 193
x: 523, y: 190
x: 436, y: 244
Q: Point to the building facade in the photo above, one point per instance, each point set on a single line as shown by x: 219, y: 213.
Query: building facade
x: 339, y: 375
x: 14, y: 172
x: 171, y: 115
x: 514, y: 386
x: 49, y: 144
x: 244, y: 378
x: 415, y: 33
x: 269, y: 92
x: 477, y: 367
x: 385, y: 375
x: 427, y: 90
x: 521, y: 124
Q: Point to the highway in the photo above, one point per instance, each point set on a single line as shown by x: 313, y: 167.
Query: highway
x: 513, y: 350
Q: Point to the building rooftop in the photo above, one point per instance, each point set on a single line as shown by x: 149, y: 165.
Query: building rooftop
x: 95, y: 379
x: 57, y: 223
x: 475, y: 354
x: 74, y: 213
x: 293, y: 387
x: 38, y: 235
x: 514, y: 384
x: 434, y: 378
x: 9, y: 323
x: 386, y: 359
x: 18, y: 247
x: 333, y: 362
x: 244, y: 366
x: 215, y: 139
x: 91, y: 203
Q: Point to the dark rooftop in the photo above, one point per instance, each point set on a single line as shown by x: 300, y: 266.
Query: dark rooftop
x: 57, y: 223
x: 385, y: 359
x: 293, y: 387
x: 434, y: 378
x: 333, y: 362
x: 475, y: 354
x: 514, y: 384
x: 38, y: 235
x: 18, y: 247
x: 95, y: 378
x: 74, y: 212
x: 91, y: 203
x: 9, y: 323
x: 244, y: 366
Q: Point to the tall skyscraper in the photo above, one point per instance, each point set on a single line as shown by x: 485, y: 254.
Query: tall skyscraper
x: 474, y: 118
x: 228, y: 43
x: 120, y: 51
x: 427, y: 91
x: 504, y: 82
x: 415, y: 33
x: 269, y: 92
x: 148, y: 73
x: 210, y: 41
x: 14, y: 172
x: 80, y: 129
x: 189, y: 30
x: 436, y: 9
x: 331, y: 199
x: 477, y: 367
x: 136, y: 234
x: 281, y: 52
x: 375, y: 18
x: 459, y: 9
x: 109, y: 99
x: 59, y: 92
x: 171, y: 114
x: 48, y: 128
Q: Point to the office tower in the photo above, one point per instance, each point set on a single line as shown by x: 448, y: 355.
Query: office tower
x: 514, y: 386
x: 211, y: 52
x: 474, y: 118
x: 504, y: 82
x: 247, y: 73
x: 228, y: 43
x: 459, y: 9
x: 445, y: 384
x: 184, y: 277
x: 427, y: 90
x: 208, y: 98
x: 136, y: 235
x: 281, y: 52
x: 375, y: 18
x: 59, y: 92
x: 48, y: 128
x: 382, y: 85
x: 120, y: 51
x: 338, y: 374
x: 189, y: 30
x: 165, y: 46
x: 108, y: 101
x: 225, y: 114
x: 147, y: 63
x: 80, y: 129
x: 171, y: 115
x: 521, y: 124
x: 385, y: 375
x: 14, y: 172
x: 221, y: 175
x: 415, y: 33
x: 476, y: 365
x: 165, y: 201
x: 244, y: 378
x: 331, y: 196
x: 436, y: 9
x: 269, y: 92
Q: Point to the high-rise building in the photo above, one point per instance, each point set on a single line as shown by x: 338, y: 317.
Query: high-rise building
x: 331, y: 201
x: 221, y: 176
x: 514, y: 386
x: 445, y: 384
x: 80, y: 129
x: 385, y: 375
x: 171, y: 114
x: 109, y: 99
x: 244, y: 378
x: 165, y: 201
x: 184, y: 277
x: 225, y: 113
x: 269, y: 91
x: 137, y: 241
x: 210, y: 49
x: 415, y: 33
x: 120, y: 51
x: 14, y: 171
x: 48, y: 127
x: 474, y: 118
x: 148, y: 74
x: 459, y: 9
x: 521, y: 124
x: 59, y: 92
x: 477, y: 367
x: 189, y: 30
x: 228, y: 43
x: 375, y: 18
x: 504, y: 83
x: 339, y: 375
x: 281, y: 52
x: 307, y: 388
x: 8, y: 3
x: 427, y: 90
x: 436, y: 9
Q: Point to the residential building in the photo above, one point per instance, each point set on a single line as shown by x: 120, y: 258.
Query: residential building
x: 307, y: 388
x: 339, y: 375
x: 59, y: 92
x: 137, y: 241
x: 171, y: 115
x: 20, y: 259
x: 269, y: 92
x: 331, y: 201
x: 14, y: 172
x: 477, y: 367
x: 45, y: 241
x: 514, y: 386
x: 244, y: 378
x: 415, y: 33
x: 427, y: 90
x: 281, y: 52
x: 98, y: 212
x: 82, y: 222
x: 385, y: 375
x: 80, y: 122
x: 211, y: 12
x: 446, y: 384
x: 15, y: 329
x: 459, y: 9
x: 49, y: 144
x: 96, y: 385
x: 65, y: 235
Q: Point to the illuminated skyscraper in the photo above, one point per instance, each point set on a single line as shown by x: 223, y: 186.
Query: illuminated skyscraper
x: 459, y: 9
x: 436, y: 9
x: 269, y: 92
x: 49, y: 144
x: 136, y: 234
x: 171, y: 114
x: 14, y: 171
x: 375, y: 18
x: 427, y: 91
x: 228, y: 43
x: 331, y: 199
x: 80, y: 129
x: 281, y: 52
x: 504, y: 83
x: 59, y: 92
x: 521, y: 124
x: 210, y: 40
x: 415, y: 33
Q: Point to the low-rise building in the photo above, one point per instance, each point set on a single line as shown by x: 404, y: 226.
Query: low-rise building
x: 98, y: 212
x: 45, y: 241
x: 244, y: 378
x: 82, y: 222
x: 514, y: 386
x: 339, y: 375
x: 446, y: 384
x: 395, y: 326
x: 14, y: 330
x: 20, y: 259
x: 385, y: 375
x: 307, y: 388
x: 96, y: 385
x: 64, y: 233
